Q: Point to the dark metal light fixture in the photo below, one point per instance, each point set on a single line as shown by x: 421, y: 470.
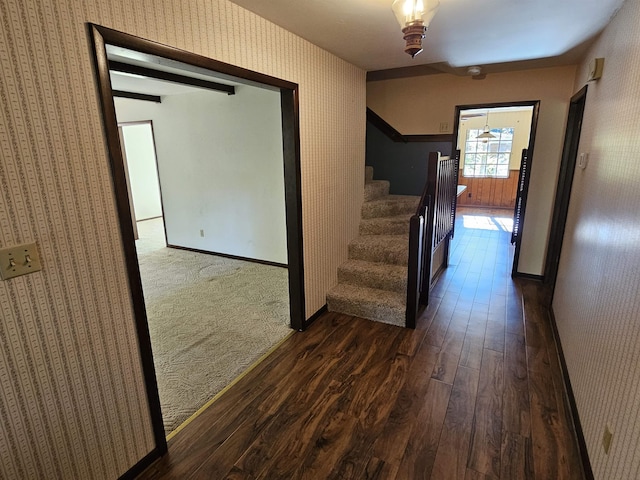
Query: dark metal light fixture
x: 414, y: 17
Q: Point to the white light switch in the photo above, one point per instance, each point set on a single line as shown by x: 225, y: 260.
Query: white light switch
x: 583, y: 159
x: 19, y: 260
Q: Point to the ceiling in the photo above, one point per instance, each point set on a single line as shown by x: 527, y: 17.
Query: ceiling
x: 498, y: 35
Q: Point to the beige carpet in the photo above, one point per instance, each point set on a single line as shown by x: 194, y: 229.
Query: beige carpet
x: 209, y: 318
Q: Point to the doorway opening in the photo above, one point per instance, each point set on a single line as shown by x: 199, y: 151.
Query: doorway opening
x: 136, y: 52
x: 141, y: 169
x: 496, y: 143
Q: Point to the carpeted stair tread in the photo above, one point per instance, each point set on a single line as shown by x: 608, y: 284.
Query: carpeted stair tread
x: 374, y: 275
x: 392, y: 249
x: 396, y: 225
x: 368, y: 174
x: 373, y: 304
x: 389, y: 206
x: 375, y: 189
x: 372, y: 284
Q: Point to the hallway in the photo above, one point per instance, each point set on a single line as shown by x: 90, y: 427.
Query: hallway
x: 475, y: 392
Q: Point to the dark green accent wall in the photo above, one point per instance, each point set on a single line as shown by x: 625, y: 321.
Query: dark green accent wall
x: 403, y: 164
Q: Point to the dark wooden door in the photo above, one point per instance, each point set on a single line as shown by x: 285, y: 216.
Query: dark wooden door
x: 565, y: 181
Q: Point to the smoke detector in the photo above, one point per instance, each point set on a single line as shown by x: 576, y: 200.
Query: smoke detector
x: 473, y: 71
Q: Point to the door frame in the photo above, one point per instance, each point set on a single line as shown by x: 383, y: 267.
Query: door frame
x: 563, y: 189
x: 289, y: 100
x: 530, y: 147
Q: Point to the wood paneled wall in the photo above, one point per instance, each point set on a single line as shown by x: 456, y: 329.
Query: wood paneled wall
x: 489, y: 192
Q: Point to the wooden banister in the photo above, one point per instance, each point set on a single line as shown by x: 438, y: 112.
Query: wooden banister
x: 431, y: 229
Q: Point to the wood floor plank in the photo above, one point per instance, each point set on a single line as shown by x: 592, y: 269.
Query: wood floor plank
x: 453, y: 448
x: 471, y: 354
x: 391, y: 444
x: 515, y: 321
x: 237, y: 474
x: 544, y: 418
x: 438, y: 329
x: 331, y: 445
x: 220, y: 461
x: 517, y: 458
x: 494, y: 336
x: 473, y: 475
x: 516, y: 414
x: 271, y: 451
x: 449, y: 355
x: 377, y: 469
x: 486, y: 439
x: 420, y: 453
x: 537, y: 359
x: 353, y: 399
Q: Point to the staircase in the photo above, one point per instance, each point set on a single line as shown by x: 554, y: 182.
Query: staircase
x: 372, y: 284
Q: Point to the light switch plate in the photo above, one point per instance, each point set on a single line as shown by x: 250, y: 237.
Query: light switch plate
x: 19, y: 260
x: 583, y: 160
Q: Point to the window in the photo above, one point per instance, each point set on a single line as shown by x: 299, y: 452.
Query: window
x: 490, y: 158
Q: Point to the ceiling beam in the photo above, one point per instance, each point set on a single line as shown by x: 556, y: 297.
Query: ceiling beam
x: 137, y: 96
x: 171, y: 77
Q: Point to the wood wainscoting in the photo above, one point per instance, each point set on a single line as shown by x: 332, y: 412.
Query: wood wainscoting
x: 489, y: 192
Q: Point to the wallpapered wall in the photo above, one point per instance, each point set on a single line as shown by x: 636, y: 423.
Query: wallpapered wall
x: 72, y: 400
x: 597, y: 299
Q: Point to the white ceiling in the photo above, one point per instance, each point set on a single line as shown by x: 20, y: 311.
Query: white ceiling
x: 463, y: 32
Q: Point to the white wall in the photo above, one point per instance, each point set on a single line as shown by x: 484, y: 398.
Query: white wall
x: 143, y: 172
x: 221, y: 169
x: 597, y: 297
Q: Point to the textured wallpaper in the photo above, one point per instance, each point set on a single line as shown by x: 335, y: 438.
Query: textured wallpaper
x: 72, y: 399
x: 597, y: 300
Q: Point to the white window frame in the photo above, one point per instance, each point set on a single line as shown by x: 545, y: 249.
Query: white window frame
x: 486, y: 156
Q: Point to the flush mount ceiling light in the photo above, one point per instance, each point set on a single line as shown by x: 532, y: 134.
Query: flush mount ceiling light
x: 486, y: 134
x: 414, y: 17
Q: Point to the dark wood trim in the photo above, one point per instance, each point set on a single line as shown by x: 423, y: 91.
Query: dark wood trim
x: 150, y: 50
x: 101, y: 37
x: 529, y: 276
x: 530, y: 148
x: 137, y: 96
x: 289, y: 101
x: 380, y: 123
x: 112, y: 138
x: 318, y: 314
x: 171, y: 77
x: 141, y: 466
x: 577, y: 425
x: 227, y: 255
x: 565, y: 182
x: 402, y: 72
x: 432, y: 137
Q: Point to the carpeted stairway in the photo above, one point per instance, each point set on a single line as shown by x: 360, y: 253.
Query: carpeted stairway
x: 373, y: 282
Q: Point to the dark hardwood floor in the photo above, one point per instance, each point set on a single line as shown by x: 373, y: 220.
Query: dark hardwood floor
x: 474, y: 392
